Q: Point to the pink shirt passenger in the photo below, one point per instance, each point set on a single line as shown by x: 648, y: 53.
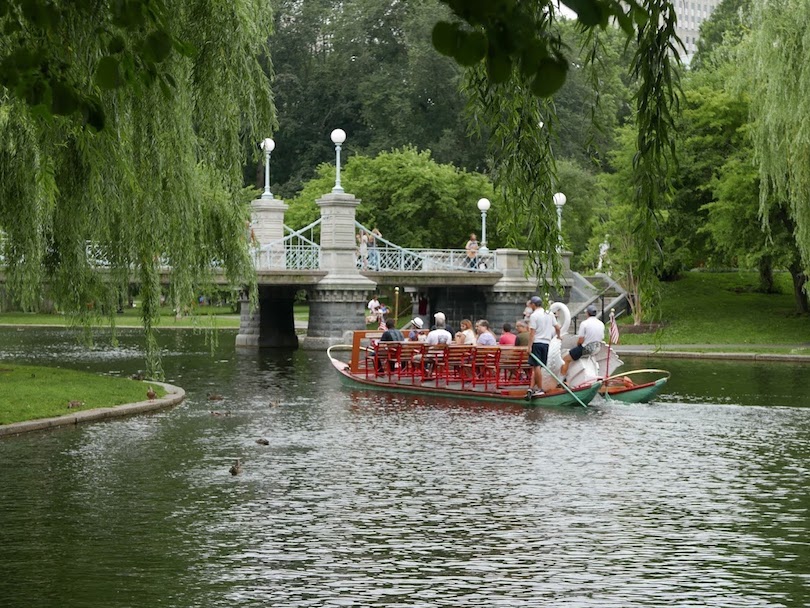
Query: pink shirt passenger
x: 507, y: 337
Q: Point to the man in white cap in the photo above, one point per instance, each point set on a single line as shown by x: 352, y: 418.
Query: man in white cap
x: 439, y: 333
x: 542, y: 327
x: 416, y: 325
x: 439, y: 316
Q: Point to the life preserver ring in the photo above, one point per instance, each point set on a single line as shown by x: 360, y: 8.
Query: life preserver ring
x: 561, y: 310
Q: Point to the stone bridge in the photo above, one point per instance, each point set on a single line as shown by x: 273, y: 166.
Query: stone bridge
x: 322, y: 259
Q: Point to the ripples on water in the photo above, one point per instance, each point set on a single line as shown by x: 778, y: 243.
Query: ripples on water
x: 380, y: 500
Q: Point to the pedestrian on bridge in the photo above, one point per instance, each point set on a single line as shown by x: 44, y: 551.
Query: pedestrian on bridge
x: 373, y: 251
x: 472, y: 251
x: 363, y: 241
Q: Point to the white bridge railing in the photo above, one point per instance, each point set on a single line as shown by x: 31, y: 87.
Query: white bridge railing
x: 386, y: 256
x: 298, y: 250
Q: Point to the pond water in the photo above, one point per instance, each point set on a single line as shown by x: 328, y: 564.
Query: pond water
x: 364, y: 499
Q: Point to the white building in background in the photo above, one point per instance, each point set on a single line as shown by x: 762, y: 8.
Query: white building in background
x: 691, y: 13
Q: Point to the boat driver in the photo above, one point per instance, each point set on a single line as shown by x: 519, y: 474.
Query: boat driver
x: 590, y: 336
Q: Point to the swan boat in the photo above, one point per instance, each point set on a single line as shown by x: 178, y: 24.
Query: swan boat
x: 493, y: 374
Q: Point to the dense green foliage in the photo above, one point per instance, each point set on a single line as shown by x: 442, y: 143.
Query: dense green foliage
x: 413, y: 200
x: 38, y: 59
x: 722, y: 31
x: 161, y: 182
x: 31, y: 392
x: 367, y: 67
x: 507, y: 38
x: 779, y: 86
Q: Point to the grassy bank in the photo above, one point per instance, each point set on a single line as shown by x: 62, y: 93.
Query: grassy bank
x: 131, y: 317
x: 721, y: 309
x: 204, y: 316
x: 30, y: 392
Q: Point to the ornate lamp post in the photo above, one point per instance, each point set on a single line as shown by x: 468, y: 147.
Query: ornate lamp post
x: 559, y: 201
x: 483, y: 207
x: 268, y: 145
x: 338, y: 137
x: 396, y: 303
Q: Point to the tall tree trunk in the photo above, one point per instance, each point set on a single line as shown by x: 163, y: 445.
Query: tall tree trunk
x: 799, y: 295
x: 766, y: 274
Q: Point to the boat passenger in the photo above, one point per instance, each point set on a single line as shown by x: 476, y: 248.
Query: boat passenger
x: 439, y: 316
x: 590, y: 336
x: 507, y: 337
x: 466, y: 335
x: 522, y: 338
x: 415, y: 335
x: 485, y: 335
x: 439, y: 335
x: 391, y: 333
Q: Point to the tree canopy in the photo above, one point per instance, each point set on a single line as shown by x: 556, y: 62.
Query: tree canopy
x: 779, y: 86
x: 367, y: 67
x: 412, y: 199
x: 145, y: 169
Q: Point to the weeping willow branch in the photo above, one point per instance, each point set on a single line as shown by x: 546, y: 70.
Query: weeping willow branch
x: 88, y: 212
x: 775, y: 58
x: 523, y: 168
x: 656, y: 103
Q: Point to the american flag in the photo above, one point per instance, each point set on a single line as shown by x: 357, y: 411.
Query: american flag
x: 382, y: 326
x: 614, y: 329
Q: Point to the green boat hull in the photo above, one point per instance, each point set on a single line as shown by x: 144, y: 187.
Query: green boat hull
x: 639, y: 394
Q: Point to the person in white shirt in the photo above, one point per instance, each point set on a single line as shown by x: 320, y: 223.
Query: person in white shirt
x: 542, y: 328
x: 590, y: 336
x: 466, y: 335
x: 439, y: 335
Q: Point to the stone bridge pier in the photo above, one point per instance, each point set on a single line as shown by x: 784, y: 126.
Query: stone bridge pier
x: 337, y: 303
x: 507, y: 298
x: 272, y: 324
x: 337, y: 292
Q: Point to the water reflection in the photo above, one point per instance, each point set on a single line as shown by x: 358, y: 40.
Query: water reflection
x: 384, y: 500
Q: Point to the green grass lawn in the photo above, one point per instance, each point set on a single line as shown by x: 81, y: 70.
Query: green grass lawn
x: 724, y: 308
x: 131, y: 317
x: 30, y: 392
x: 204, y: 316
